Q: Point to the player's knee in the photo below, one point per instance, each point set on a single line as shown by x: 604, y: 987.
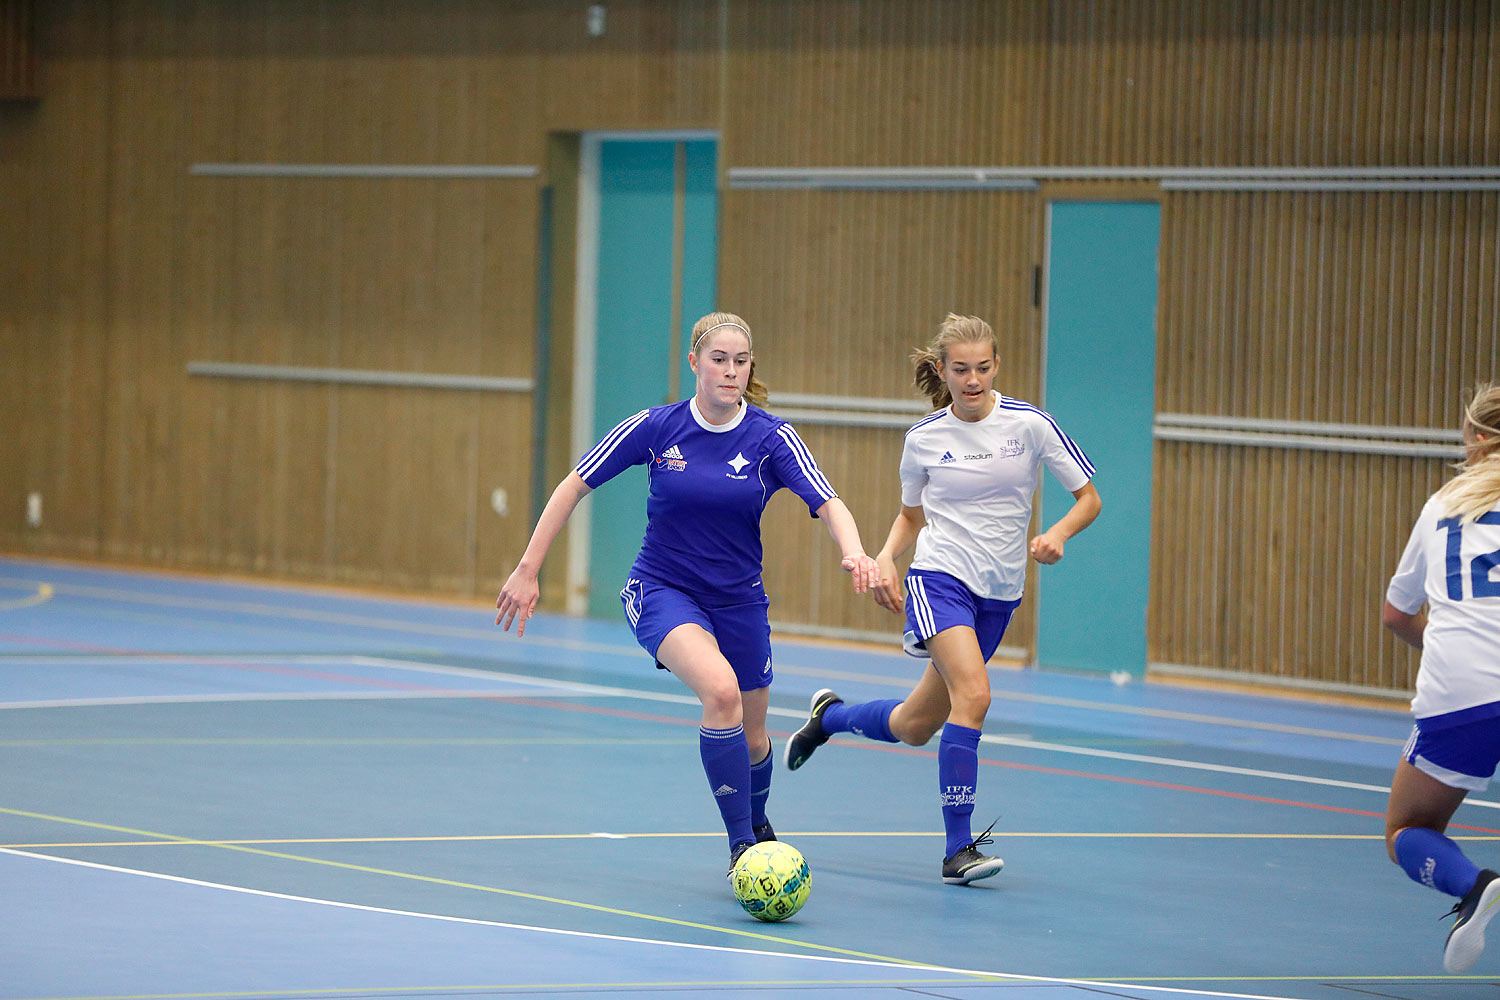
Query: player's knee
x: 721, y: 706
x: 972, y: 703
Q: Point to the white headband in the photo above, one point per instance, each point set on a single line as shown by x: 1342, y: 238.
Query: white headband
x: 711, y: 329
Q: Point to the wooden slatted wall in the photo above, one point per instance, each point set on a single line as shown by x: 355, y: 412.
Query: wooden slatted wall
x: 120, y: 268
x: 19, y: 74
x: 133, y: 267
x: 1367, y: 308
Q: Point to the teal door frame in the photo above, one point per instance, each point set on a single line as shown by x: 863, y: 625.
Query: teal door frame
x: 647, y: 269
x: 1099, y: 384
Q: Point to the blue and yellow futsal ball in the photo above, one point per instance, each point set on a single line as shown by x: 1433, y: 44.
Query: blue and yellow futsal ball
x: 771, y: 880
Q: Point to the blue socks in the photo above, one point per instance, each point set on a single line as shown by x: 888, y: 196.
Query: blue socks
x: 726, y: 761
x: 760, y: 789
x: 958, y: 772
x: 1435, y: 861
x: 871, y: 719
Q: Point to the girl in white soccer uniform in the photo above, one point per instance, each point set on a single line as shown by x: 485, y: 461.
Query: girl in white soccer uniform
x: 968, y: 475
x: 1449, y: 565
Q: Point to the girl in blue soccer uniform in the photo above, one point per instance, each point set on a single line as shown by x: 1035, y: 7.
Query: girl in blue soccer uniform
x: 1448, y: 565
x: 694, y: 596
x: 968, y: 473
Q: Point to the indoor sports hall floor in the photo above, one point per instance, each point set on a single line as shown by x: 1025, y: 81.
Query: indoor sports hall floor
x: 228, y: 790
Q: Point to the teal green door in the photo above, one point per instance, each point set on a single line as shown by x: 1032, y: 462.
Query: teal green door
x: 1101, y: 389
x: 658, y: 256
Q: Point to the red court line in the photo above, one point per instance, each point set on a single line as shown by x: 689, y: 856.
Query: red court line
x: 1039, y: 768
x: 81, y: 647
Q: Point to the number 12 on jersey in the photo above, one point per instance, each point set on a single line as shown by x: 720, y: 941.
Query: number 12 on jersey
x: 1479, y: 566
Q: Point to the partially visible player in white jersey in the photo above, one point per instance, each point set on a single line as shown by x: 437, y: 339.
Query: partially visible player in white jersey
x: 1450, y: 566
x: 968, y: 475
x: 694, y: 597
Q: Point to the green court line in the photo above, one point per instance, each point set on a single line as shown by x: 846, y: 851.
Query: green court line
x: 783, y: 942
x: 515, y: 893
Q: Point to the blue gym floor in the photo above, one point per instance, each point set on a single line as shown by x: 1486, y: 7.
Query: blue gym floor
x: 229, y: 790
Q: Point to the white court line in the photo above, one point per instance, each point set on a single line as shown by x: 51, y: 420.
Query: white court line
x: 577, y: 645
x: 631, y: 940
x: 596, y: 690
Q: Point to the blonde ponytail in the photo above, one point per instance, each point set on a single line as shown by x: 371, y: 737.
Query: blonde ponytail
x: 929, y: 360
x: 1476, y: 489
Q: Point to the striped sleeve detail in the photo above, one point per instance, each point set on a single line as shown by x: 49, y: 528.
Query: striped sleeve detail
x: 1067, y: 442
x: 927, y: 419
x: 589, y: 463
x: 805, y: 462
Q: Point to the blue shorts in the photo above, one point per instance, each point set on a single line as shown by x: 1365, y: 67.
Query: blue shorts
x: 1460, y: 749
x: 936, y: 601
x: 742, y: 631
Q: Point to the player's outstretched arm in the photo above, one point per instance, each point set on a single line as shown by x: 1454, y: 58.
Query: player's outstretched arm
x: 519, y: 595
x: 903, y: 534
x: 860, y: 567
x: 1047, y: 548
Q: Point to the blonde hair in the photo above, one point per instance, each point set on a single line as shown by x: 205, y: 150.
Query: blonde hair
x: 755, y: 390
x: 929, y: 360
x: 1476, y: 489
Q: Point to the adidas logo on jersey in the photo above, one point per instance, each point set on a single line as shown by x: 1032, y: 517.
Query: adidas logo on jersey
x: 672, y: 452
x: 947, y: 457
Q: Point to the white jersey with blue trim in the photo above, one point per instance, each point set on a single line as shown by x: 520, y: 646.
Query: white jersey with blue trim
x: 1451, y: 567
x: 709, y: 485
x: 974, y: 482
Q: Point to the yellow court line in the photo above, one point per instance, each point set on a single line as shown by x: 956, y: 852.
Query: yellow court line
x: 488, y: 837
x: 42, y: 595
x: 514, y: 893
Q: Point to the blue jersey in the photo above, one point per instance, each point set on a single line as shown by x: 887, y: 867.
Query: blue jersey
x: 708, y: 487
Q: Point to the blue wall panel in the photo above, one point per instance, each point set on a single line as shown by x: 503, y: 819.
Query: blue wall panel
x: 1101, y: 388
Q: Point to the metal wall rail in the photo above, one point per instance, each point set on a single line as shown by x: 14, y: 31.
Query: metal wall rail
x: 1171, y: 178
x: 1439, y: 434
x: 360, y: 376
x: 379, y: 170
x: 1363, y: 439
x: 847, y: 411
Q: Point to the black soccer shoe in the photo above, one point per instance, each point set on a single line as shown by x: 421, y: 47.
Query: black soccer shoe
x: 968, y: 865
x: 1466, y: 939
x: 735, y: 850
x: 801, y: 744
x: 764, y: 833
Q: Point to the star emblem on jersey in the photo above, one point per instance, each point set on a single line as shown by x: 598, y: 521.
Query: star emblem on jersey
x: 738, y: 462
